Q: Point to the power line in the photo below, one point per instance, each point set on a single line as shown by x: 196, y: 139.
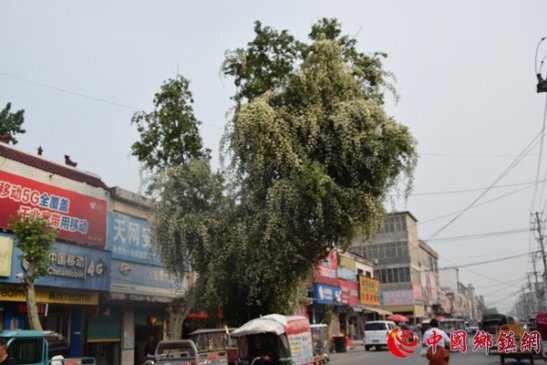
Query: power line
x: 421, y: 223
x: 481, y: 235
x: 466, y: 155
x: 447, y: 192
x: 494, y: 285
x: 491, y: 261
x: 86, y: 96
x: 508, y: 169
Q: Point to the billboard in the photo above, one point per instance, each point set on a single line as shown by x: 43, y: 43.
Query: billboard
x: 398, y: 297
x: 6, y: 250
x: 327, y: 271
x: 345, y: 291
x: 134, y: 278
x: 129, y: 239
x: 71, y: 266
x: 325, y: 294
x: 370, y: 291
x: 79, y: 218
x: 353, y: 293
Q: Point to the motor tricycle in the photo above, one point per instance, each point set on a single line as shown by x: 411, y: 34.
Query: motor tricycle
x: 275, y: 340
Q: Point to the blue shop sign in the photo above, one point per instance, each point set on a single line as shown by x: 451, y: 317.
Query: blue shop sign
x: 71, y: 266
x: 129, y: 239
x: 134, y: 278
x: 325, y: 294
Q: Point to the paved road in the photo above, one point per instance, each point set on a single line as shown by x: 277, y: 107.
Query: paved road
x: 384, y: 357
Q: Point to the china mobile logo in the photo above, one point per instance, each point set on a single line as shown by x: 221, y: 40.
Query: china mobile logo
x: 401, y: 346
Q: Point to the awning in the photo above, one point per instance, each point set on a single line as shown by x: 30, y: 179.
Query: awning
x: 376, y: 310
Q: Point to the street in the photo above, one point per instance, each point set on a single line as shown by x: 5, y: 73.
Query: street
x: 358, y: 356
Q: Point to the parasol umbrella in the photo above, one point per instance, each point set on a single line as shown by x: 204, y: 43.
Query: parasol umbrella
x: 397, y: 318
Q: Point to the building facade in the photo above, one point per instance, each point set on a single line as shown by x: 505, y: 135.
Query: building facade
x: 406, y: 267
x: 106, y: 290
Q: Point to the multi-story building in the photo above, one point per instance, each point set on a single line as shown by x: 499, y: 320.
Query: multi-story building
x: 462, y: 298
x: 406, y: 266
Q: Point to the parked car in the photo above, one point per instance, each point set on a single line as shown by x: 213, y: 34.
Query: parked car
x: 376, y: 333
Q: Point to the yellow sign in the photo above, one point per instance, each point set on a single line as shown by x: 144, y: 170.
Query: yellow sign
x: 6, y: 250
x: 370, y: 291
x: 347, y: 262
x: 14, y: 293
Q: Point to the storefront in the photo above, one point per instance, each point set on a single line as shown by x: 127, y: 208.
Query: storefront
x: 75, y: 277
x: 140, y: 288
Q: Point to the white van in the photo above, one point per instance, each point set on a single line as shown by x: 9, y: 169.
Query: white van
x: 377, y: 333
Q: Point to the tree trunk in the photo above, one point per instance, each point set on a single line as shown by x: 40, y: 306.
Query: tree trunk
x: 180, y: 307
x: 32, y: 307
x: 175, y: 317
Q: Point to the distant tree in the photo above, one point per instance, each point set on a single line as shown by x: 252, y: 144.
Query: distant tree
x: 11, y: 123
x: 185, y: 190
x: 35, y: 238
x: 169, y: 135
x: 314, y: 157
x: 186, y: 225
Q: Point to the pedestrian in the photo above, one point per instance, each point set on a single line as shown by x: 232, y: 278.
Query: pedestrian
x: 5, y: 359
x: 150, y: 349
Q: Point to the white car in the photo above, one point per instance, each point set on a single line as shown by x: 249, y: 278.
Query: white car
x: 377, y: 333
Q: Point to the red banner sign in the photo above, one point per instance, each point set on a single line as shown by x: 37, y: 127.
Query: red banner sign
x: 353, y: 293
x: 327, y: 271
x: 345, y: 291
x: 79, y: 218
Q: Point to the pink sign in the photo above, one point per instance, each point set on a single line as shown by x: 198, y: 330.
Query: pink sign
x: 353, y: 293
x: 326, y: 271
x: 345, y: 291
x: 398, y: 297
x: 418, y: 293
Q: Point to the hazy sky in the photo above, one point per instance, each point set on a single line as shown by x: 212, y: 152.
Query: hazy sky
x: 465, y: 74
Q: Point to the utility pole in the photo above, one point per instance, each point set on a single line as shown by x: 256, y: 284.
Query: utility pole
x: 536, y: 285
x: 533, y: 300
x: 542, y: 250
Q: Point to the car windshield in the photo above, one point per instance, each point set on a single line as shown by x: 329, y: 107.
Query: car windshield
x: 379, y: 326
x: 175, y: 350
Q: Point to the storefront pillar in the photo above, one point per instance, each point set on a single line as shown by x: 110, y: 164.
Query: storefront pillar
x: 128, y: 337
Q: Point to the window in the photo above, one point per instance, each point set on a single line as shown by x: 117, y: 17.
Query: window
x: 374, y: 251
x: 27, y: 351
x: 389, y: 276
x: 367, y: 274
x: 375, y: 326
x: 395, y: 275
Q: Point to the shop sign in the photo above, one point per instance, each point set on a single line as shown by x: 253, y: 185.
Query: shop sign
x: 79, y: 218
x: 345, y: 291
x: 353, y: 293
x: 347, y: 262
x: 6, y: 250
x: 129, y: 239
x: 398, y: 297
x: 325, y: 294
x: 326, y: 271
x: 417, y: 291
x: 71, y: 266
x: 14, y: 293
x: 346, y: 274
x: 133, y: 278
x: 369, y: 290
